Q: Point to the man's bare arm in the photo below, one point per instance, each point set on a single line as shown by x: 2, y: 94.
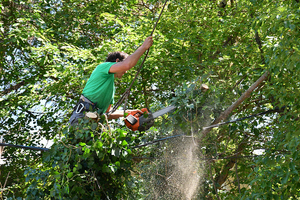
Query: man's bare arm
x: 131, y: 60
x: 120, y: 113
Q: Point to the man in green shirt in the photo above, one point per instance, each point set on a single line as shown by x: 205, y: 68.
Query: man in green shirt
x: 99, y: 91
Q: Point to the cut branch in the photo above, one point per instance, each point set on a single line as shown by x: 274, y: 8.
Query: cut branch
x: 227, y: 112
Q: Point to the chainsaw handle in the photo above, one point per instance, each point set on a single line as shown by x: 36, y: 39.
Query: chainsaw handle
x: 135, y: 112
x: 145, y: 110
x: 138, y: 113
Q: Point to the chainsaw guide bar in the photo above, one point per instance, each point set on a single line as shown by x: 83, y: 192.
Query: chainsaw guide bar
x: 162, y: 112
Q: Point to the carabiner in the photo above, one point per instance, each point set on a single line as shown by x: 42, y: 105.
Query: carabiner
x: 79, y: 110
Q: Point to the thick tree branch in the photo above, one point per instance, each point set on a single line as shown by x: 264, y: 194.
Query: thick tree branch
x: 244, y: 96
x: 13, y: 87
x: 227, y: 112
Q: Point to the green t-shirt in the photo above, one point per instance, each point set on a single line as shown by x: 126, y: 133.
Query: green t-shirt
x: 100, y: 87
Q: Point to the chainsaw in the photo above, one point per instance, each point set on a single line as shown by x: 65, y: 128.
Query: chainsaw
x: 144, y: 120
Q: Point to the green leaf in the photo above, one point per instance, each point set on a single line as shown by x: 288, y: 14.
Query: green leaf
x: 82, y: 144
x: 70, y: 174
x: 285, y: 178
x: 124, y: 143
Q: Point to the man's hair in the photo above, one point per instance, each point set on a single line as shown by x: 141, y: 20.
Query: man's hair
x: 112, y: 57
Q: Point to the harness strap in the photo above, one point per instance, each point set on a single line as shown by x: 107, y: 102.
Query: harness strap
x: 83, y: 98
x: 84, y: 104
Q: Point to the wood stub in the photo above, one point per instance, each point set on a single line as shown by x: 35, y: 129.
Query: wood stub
x: 91, y: 115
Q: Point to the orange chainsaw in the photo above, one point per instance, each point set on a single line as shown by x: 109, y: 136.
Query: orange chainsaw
x: 144, y: 120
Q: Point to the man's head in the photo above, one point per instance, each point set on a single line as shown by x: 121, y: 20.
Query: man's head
x: 112, y: 57
x: 117, y: 57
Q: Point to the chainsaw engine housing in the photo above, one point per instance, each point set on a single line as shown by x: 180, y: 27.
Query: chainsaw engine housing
x: 137, y: 121
x: 145, y: 123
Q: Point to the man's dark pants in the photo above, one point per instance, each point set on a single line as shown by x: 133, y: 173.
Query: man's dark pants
x: 83, y: 105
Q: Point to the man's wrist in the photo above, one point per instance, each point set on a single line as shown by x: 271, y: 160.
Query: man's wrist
x: 142, y: 48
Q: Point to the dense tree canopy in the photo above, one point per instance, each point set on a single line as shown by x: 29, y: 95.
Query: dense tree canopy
x: 48, y: 50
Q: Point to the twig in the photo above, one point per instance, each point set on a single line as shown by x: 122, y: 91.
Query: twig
x: 106, y: 119
x: 192, y: 131
x: 99, y: 185
x: 96, y: 181
x: 237, y: 176
x: 212, y: 179
x: 5, y: 182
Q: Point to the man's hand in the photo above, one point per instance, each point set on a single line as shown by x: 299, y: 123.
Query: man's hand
x: 137, y: 110
x: 148, y: 43
x: 120, y: 113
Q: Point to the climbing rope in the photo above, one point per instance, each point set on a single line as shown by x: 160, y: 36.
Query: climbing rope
x: 127, y: 92
x: 243, y: 118
x: 156, y: 141
x: 46, y: 149
x: 24, y: 147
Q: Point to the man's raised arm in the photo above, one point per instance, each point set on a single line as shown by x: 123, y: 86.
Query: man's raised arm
x: 131, y: 60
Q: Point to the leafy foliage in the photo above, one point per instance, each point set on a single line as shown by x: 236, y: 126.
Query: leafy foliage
x: 87, y: 163
x: 48, y: 49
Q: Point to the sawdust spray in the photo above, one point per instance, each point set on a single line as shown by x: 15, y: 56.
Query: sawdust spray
x: 177, y: 172
x: 186, y: 174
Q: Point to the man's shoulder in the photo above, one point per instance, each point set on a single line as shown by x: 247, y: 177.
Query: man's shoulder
x: 105, y: 66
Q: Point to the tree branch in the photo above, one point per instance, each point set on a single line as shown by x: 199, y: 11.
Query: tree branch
x: 222, y: 176
x: 23, y: 83
x: 214, y: 184
x: 14, y: 87
x: 237, y: 176
x: 244, y: 96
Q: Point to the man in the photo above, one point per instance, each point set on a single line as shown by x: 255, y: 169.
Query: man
x: 99, y: 91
